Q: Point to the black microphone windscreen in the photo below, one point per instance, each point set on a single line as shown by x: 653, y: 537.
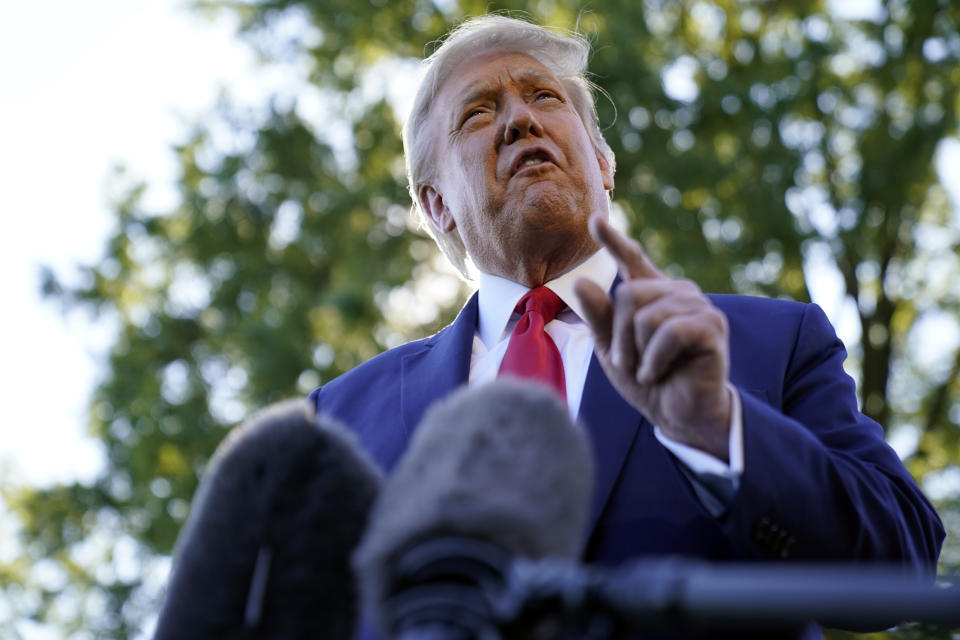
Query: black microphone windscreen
x: 265, y: 551
x: 503, y: 463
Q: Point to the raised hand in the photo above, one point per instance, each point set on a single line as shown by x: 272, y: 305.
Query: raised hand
x: 662, y: 344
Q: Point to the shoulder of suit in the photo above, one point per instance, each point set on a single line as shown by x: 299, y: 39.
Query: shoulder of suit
x: 751, y: 310
x: 382, y: 371
x: 738, y: 302
x: 385, y: 364
x: 770, y: 323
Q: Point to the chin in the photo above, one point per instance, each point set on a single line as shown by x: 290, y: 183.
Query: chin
x: 554, y: 211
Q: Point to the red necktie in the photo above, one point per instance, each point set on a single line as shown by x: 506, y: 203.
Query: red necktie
x: 531, y: 352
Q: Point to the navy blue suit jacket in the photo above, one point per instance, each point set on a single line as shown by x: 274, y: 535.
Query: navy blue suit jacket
x: 819, y: 482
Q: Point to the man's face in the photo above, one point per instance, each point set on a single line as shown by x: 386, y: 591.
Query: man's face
x: 518, y: 175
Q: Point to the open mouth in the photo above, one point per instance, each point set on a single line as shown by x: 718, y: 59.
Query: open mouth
x: 532, y: 158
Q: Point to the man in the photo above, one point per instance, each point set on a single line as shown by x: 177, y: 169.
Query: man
x: 723, y: 427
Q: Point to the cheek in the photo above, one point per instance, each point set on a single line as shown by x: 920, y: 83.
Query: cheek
x: 475, y: 183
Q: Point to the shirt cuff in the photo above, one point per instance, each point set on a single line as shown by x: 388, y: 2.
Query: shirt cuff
x: 700, y: 462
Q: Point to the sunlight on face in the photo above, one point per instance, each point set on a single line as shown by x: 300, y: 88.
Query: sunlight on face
x: 517, y: 171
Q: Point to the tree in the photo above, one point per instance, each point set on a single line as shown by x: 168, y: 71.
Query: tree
x: 754, y: 140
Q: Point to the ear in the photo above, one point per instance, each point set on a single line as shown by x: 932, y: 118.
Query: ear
x: 605, y: 171
x: 432, y: 204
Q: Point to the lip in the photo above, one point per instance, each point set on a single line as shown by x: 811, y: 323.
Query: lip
x: 527, y: 153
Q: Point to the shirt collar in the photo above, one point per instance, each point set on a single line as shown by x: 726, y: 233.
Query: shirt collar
x: 498, y: 296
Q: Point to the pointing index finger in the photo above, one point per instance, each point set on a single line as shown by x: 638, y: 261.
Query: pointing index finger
x: 629, y: 254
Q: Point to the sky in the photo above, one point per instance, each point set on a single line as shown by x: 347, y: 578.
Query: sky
x: 84, y: 86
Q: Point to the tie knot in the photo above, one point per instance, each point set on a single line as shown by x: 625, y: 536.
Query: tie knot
x: 543, y: 301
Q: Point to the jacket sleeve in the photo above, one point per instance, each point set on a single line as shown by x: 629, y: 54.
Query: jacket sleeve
x: 819, y: 481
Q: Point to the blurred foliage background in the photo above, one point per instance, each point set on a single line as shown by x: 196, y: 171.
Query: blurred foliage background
x: 761, y: 144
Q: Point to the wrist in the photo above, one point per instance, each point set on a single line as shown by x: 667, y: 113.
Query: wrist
x: 712, y: 434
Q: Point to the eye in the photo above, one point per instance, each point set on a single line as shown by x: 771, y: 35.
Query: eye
x: 471, y: 113
x: 546, y: 94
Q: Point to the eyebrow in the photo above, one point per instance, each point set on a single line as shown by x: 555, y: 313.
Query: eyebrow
x: 475, y: 93
x: 486, y: 89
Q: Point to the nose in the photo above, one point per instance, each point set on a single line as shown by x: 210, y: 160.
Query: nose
x: 521, y: 122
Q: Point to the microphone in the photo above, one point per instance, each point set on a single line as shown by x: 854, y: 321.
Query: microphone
x: 265, y: 550
x: 492, y: 472
x: 685, y: 595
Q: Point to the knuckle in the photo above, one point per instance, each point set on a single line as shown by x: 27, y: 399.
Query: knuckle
x: 718, y: 318
x: 642, y: 327
x: 673, y: 328
x: 625, y: 293
x: 640, y: 321
x: 636, y: 296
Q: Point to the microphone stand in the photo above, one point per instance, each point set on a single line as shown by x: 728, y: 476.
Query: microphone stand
x: 678, y: 594
x: 463, y: 588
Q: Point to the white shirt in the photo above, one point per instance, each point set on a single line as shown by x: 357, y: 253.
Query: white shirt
x: 497, y: 299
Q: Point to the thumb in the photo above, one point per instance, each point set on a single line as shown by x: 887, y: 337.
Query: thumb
x: 598, y: 311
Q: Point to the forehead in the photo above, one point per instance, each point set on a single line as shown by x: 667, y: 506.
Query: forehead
x: 488, y: 72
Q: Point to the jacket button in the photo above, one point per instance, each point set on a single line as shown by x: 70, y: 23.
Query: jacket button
x: 761, y: 532
x: 787, y: 546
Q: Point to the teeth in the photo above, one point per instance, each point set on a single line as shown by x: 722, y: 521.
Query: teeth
x: 530, y: 161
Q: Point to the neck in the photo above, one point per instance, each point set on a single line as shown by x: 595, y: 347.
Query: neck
x: 536, y: 268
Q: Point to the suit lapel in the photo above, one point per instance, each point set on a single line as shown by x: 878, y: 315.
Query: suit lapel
x: 438, y: 369
x: 613, y: 426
